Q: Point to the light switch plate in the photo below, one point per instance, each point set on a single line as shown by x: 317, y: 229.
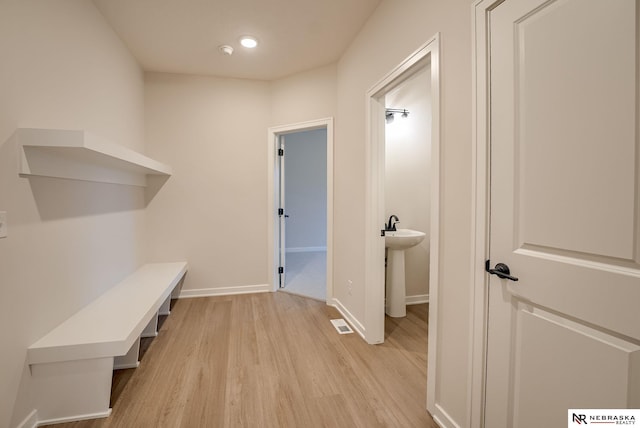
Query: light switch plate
x: 3, y: 224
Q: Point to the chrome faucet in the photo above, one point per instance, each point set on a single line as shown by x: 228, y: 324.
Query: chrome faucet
x: 392, y: 224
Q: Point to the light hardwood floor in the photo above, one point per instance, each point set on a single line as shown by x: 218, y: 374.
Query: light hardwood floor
x: 272, y: 360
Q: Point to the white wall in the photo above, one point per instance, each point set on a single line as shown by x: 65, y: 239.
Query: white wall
x: 213, y: 210
x: 304, y: 96
x: 407, y: 172
x: 306, y: 189
x: 395, y: 30
x: 69, y: 241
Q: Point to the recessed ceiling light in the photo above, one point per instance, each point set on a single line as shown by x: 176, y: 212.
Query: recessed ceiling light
x: 248, y: 42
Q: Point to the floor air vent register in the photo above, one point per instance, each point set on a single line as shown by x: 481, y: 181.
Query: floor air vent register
x: 341, y: 326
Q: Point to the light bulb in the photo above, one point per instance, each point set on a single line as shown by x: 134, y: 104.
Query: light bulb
x: 248, y: 42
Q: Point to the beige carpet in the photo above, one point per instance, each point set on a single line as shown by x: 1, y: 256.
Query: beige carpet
x: 306, y: 274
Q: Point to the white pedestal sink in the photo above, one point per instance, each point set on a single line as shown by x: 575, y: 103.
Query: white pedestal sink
x: 396, y: 242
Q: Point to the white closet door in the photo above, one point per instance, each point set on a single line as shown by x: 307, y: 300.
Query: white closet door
x: 564, y: 210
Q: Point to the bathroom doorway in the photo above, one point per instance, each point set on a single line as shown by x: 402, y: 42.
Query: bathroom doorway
x: 424, y: 59
x: 301, y: 206
x: 422, y: 62
x: 407, y: 184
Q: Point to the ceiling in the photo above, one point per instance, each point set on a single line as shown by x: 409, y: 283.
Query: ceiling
x: 182, y: 36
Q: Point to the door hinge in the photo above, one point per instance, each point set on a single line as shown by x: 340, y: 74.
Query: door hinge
x: 280, y: 269
x: 280, y: 211
x: 280, y: 152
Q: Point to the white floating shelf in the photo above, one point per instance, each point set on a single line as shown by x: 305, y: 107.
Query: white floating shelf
x: 79, y: 155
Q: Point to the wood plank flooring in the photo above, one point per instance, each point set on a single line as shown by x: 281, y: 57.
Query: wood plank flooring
x: 272, y: 360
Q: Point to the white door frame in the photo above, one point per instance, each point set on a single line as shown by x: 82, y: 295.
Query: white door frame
x: 427, y: 54
x: 273, y: 196
x: 480, y: 207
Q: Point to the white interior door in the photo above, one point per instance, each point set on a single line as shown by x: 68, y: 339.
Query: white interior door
x: 282, y: 214
x: 564, y: 210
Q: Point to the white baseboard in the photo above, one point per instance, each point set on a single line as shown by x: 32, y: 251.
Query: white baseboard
x: 304, y: 249
x: 224, y: 291
x: 353, y: 321
x: 31, y: 421
x: 417, y: 299
x: 357, y: 326
x: 443, y: 419
x: 75, y: 418
x: 126, y: 366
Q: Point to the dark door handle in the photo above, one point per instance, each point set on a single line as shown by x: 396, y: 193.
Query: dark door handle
x: 501, y: 270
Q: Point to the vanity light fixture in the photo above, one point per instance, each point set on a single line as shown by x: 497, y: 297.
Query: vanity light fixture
x: 248, y: 42
x: 390, y: 113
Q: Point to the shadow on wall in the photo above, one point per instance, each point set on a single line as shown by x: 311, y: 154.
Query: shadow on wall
x: 154, y: 184
x: 58, y: 198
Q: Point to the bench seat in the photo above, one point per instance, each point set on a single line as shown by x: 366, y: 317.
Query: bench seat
x: 72, y: 365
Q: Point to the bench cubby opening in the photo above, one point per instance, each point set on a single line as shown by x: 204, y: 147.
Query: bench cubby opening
x: 72, y: 366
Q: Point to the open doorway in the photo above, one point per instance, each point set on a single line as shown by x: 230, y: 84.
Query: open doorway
x: 302, y: 211
x: 407, y: 191
x: 301, y: 208
x: 425, y: 59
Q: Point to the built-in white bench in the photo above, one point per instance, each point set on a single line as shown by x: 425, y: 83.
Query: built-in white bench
x: 72, y: 366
